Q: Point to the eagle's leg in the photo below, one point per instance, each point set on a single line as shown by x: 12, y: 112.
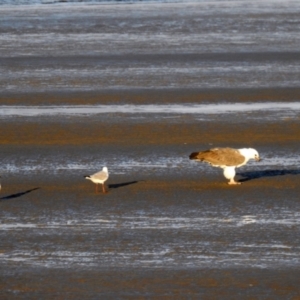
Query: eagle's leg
x: 229, y: 173
x: 232, y: 181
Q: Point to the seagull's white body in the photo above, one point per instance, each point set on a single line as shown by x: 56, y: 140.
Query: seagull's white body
x: 99, y: 178
x: 227, y: 158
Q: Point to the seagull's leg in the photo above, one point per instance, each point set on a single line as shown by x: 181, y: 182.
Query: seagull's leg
x: 103, y: 188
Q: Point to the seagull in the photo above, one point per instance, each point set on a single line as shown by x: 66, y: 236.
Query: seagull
x: 99, y: 177
x: 226, y: 158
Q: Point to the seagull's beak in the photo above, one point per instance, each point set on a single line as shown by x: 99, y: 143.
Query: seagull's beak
x: 257, y: 159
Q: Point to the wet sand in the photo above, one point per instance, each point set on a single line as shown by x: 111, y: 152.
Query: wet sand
x: 152, y: 284
x: 169, y: 228
x: 60, y: 255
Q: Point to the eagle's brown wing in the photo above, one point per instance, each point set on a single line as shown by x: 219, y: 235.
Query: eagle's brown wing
x: 219, y: 156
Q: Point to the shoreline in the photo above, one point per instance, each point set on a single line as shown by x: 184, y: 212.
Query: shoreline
x: 152, y: 96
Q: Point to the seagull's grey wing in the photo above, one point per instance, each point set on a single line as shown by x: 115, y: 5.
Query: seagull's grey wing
x: 100, y: 175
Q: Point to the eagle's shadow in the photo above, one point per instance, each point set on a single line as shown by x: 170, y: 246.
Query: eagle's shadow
x: 250, y: 175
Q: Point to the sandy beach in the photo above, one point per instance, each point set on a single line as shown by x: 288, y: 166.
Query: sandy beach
x: 170, y: 231
x: 138, y: 90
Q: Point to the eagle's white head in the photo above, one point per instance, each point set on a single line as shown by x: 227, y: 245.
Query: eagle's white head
x: 250, y: 153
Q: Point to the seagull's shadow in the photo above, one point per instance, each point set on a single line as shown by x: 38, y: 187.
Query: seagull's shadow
x: 267, y: 173
x: 12, y: 196
x: 118, y: 185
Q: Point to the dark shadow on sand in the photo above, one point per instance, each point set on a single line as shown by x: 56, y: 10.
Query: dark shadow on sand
x: 267, y: 173
x: 12, y: 196
x: 118, y: 185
